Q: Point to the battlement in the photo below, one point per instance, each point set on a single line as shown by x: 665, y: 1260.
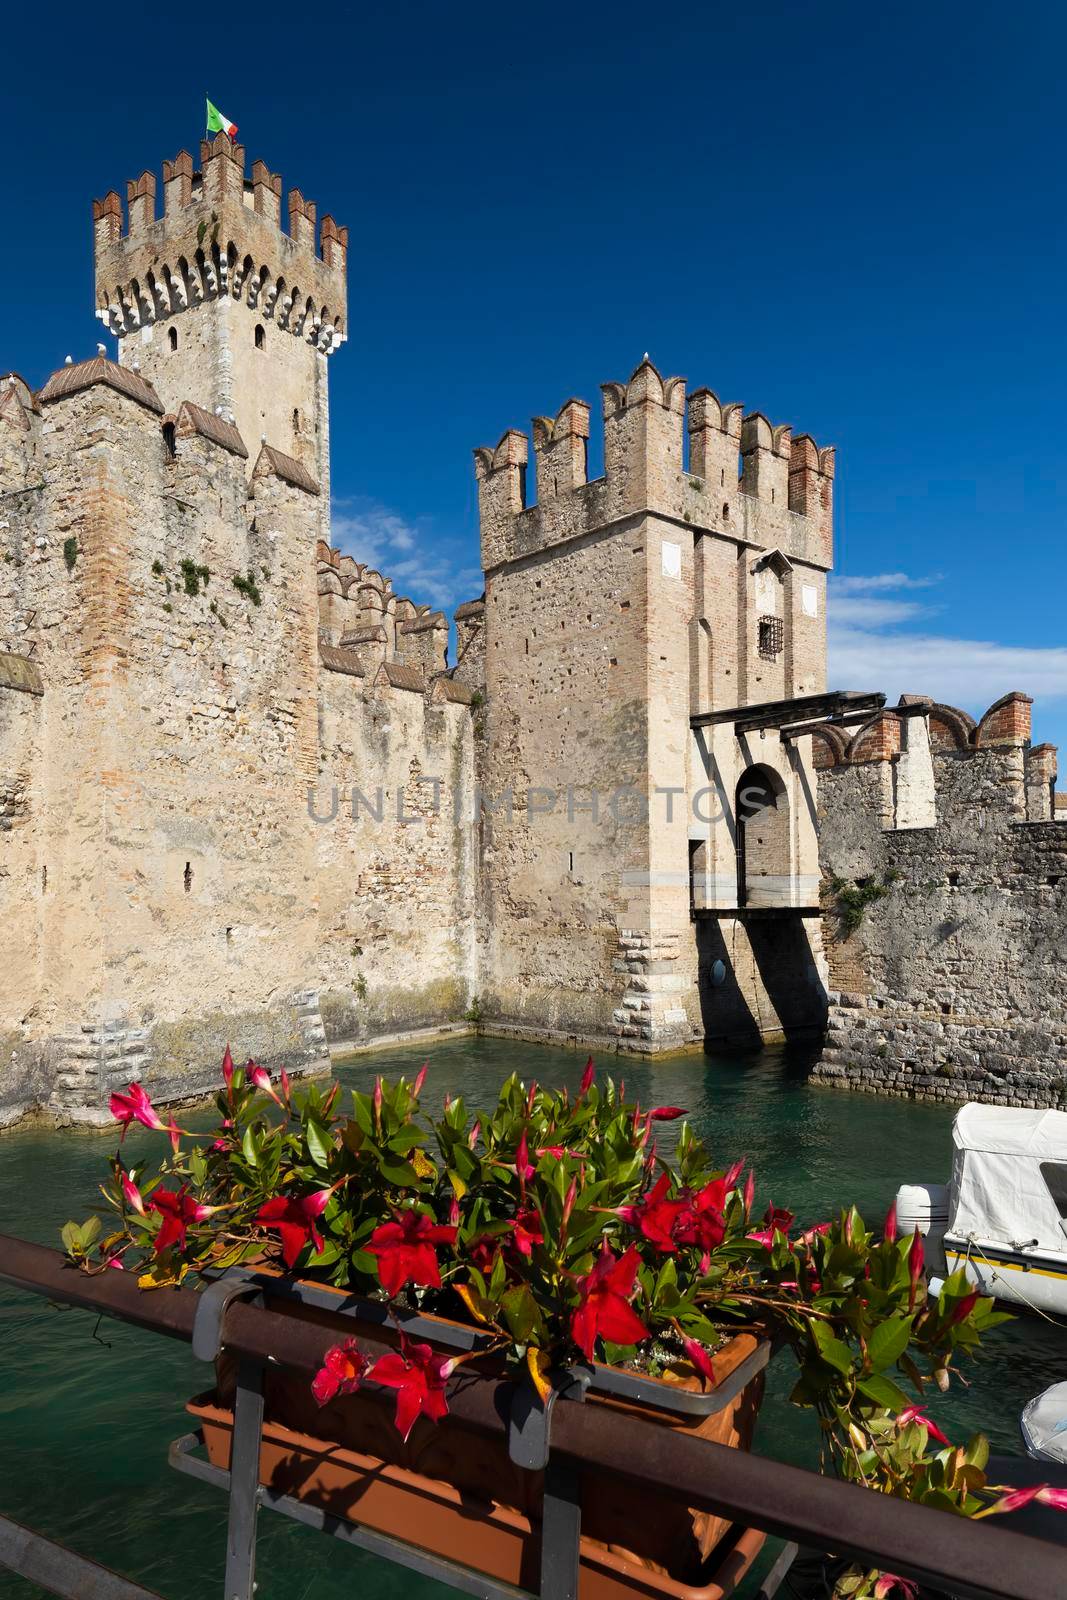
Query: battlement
x: 220, y: 235
x: 912, y: 754
x: 746, y: 478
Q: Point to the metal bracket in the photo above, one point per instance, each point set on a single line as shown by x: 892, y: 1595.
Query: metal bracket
x: 211, y: 1313
x: 530, y: 1419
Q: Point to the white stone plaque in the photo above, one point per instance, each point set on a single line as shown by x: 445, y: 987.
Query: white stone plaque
x: 672, y: 559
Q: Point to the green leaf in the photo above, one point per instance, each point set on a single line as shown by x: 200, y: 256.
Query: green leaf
x: 318, y: 1147
x: 888, y: 1342
x: 884, y: 1392
x: 248, y: 1147
x: 520, y: 1310
x: 831, y: 1350
x: 400, y: 1173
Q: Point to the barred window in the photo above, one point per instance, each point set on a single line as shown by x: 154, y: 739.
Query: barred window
x: 771, y: 637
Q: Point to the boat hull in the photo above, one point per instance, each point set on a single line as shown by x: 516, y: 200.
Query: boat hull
x: 1033, y: 1278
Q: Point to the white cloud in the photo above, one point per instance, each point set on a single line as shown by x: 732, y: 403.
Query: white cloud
x: 421, y: 564
x: 865, y: 612
x: 879, y: 581
x: 970, y: 673
x: 866, y: 651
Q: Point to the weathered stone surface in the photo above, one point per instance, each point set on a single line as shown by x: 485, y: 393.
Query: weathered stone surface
x: 961, y: 962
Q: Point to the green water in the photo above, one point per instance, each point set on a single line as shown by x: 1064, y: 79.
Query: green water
x: 87, y: 1412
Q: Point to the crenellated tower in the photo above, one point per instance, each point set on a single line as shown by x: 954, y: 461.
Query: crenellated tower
x: 646, y: 635
x: 216, y: 303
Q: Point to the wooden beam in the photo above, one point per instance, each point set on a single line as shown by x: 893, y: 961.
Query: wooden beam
x: 833, y: 707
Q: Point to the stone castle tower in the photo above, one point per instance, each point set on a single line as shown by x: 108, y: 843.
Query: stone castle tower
x: 655, y: 640
x: 214, y: 300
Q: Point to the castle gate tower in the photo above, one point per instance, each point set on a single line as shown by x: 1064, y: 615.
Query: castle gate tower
x: 213, y: 302
x: 656, y: 659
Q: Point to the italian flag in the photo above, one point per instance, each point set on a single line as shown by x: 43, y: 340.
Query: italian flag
x: 217, y: 123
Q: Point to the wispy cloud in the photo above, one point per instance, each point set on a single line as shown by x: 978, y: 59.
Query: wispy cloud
x: 868, y: 649
x: 878, y: 581
x: 431, y: 569
x: 865, y: 611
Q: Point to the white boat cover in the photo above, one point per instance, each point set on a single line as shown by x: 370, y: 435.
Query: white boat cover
x: 1044, y: 1425
x: 998, y: 1189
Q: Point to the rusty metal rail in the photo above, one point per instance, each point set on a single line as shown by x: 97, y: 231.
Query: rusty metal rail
x: 948, y: 1553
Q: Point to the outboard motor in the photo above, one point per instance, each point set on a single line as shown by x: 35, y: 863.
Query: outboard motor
x: 925, y: 1206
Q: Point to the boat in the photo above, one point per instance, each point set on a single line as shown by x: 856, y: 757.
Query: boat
x: 1003, y: 1215
x: 1043, y: 1425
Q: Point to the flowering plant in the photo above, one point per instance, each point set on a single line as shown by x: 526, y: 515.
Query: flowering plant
x: 556, y: 1226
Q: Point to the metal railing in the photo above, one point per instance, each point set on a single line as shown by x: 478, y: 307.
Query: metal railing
x: 950, y: 1553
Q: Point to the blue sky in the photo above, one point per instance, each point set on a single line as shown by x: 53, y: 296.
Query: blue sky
x: 851, y: 218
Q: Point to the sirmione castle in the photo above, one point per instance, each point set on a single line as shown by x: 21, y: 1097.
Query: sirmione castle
x: 249, y: 792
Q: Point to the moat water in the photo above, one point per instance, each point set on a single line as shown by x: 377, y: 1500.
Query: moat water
x: 87, y: 1411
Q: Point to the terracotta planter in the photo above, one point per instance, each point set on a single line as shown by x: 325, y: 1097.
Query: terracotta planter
x: 458, y: 1494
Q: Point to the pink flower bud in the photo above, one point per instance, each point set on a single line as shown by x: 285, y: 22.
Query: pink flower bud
x: 889, y: 1227
x: 568, y: 1204
x: 666, y: 1113
x: 700, y: 1359
x: 421, y: 1079
x: 531, y: 1096
x: 132, y: 1194
x: 473, y: 1136
x: 915, y: 1266
x: 587, y: 1077
x: 227, y: 1068
x: 378, y: 1102
x: 732, y: 1174
x: 453, y: 1213
x: 750, y: 1191
x: 964, y: 1308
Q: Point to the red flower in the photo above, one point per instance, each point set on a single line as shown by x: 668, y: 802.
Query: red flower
x: 483, y: 1252
x: 523, y: 1166
x: 526, y: 1231
x: 405, y: 1250
x: 131, y: 1194
x: 698, y: 1356
x: 419, y: 1376
x: 178, y: 1210
x: 134, y: 1106
x: 259, y: 1077
x: 341, y: 1372
x: 666, y: 1113
x: 655, y: 1216
x: 587, y: 1078
x: 915, y: 1266
x: 964, y: 1308
x: 295, y: 1221
x: 704, y: 1224
x: 889, y: 1227
x: 227, y: 1069
x: 916, y: 1414
x: 774, y: 1221
x: 604, y: 1311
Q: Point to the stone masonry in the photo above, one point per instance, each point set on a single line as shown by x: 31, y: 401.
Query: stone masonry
x: 246, y: 795
x: 951, y: 985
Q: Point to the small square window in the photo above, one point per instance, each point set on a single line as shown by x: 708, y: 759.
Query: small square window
x: 771, y: 637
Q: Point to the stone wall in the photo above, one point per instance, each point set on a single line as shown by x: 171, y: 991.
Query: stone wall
x: 163, y: 881
x: 950, y: 987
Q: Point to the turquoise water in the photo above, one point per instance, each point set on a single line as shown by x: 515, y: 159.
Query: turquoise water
x: 87, y: 1411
